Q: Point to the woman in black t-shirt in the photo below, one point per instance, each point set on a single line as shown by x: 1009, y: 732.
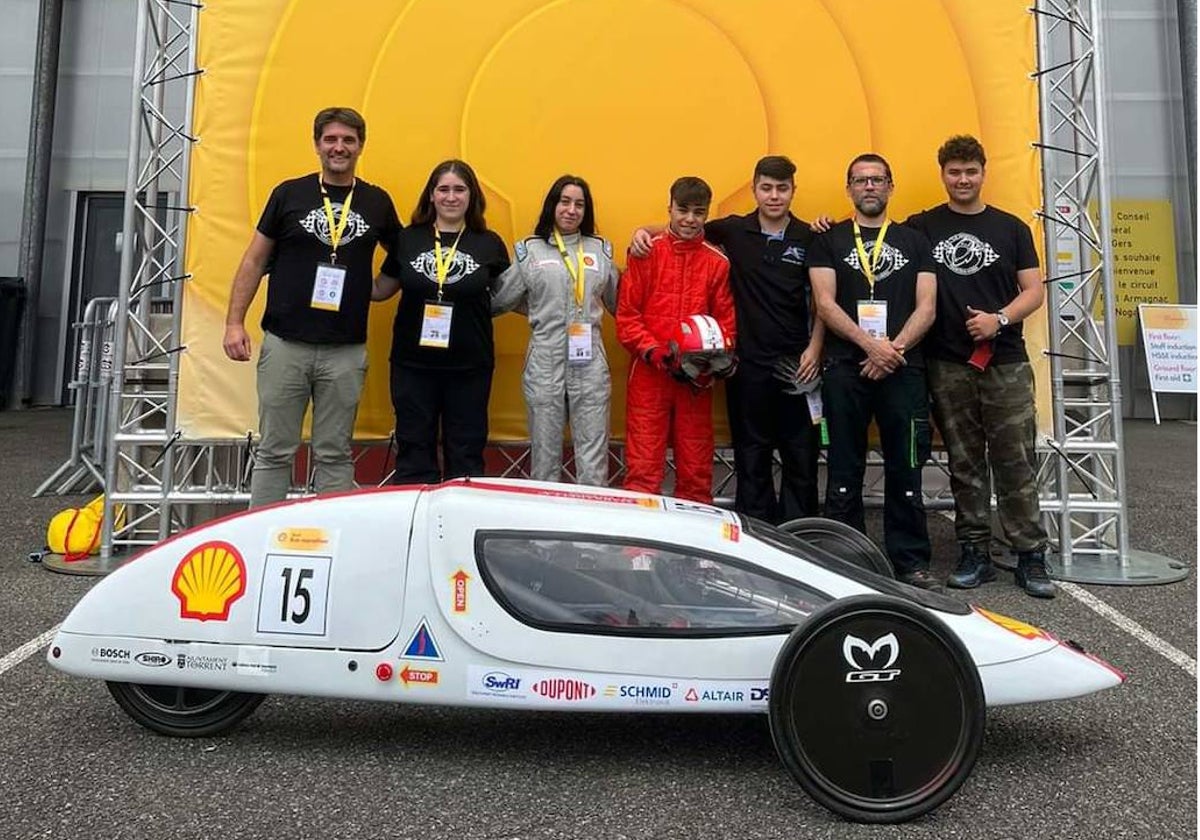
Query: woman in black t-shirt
x: 442, y: 357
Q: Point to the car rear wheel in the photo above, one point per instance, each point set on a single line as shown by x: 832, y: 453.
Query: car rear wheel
x: 876, y: 709
x: 184, y: 712
x: 842, y: 541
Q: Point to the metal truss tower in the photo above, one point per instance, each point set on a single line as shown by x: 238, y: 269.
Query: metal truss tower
x: 1083, y: 478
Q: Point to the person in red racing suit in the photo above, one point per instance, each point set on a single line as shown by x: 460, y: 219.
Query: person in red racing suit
x: 681, y: 276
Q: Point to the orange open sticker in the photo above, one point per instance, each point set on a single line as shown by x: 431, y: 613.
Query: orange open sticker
x: 208, y: 581
x: 1027, y: 631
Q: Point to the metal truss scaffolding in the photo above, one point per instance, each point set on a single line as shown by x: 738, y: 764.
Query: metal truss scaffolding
x: 1083, y: 477
x: 160, y: 484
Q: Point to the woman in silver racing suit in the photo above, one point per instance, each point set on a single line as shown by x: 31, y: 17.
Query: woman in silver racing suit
x: 564, y: 279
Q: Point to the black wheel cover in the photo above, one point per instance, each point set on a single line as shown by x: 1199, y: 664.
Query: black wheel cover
x: 882, y: 729
x: 842, y: 541
x: 184, y: 712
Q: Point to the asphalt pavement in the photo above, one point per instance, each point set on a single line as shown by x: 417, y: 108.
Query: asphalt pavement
x: 1120, y: 764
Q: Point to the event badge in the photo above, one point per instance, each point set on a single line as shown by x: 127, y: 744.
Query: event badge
x: 579, y: 346
x: 435, y: 329
x: 816, y: 407
x: 872, y: 317
x: 327, y: 287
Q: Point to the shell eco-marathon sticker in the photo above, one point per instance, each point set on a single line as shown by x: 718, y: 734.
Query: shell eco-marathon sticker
x: 303, y: 539
x: 611, y: 691
x: 209, y: 580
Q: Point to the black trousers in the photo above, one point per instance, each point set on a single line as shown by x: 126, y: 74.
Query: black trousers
x: 454, y: 402
x: 762, y: 419
x: 899, y: 404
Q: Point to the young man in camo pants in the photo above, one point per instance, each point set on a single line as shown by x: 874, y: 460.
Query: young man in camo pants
x: 988, y: 282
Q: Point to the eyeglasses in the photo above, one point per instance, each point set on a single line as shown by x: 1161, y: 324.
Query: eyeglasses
x: 873, y: 180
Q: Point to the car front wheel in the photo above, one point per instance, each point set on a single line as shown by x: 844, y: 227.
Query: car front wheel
x: 183, y: 712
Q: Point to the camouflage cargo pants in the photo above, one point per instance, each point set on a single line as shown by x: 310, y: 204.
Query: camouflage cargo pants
x: 987, y: 420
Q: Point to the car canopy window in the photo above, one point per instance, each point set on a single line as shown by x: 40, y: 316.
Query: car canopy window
x: 588, y: 583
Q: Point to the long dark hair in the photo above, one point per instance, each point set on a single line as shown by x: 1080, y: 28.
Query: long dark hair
x: 545, y: 223
x: 425, y: 214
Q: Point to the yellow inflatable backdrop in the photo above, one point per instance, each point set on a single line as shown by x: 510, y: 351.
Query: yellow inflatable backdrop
x: 629, y: 94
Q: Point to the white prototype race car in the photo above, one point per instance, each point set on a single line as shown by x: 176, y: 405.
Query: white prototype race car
x: 514, y: 594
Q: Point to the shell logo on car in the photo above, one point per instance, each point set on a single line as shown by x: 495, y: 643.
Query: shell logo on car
x: 208, y: 580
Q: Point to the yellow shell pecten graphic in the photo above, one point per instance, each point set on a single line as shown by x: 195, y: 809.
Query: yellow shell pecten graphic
x: 208, y: 581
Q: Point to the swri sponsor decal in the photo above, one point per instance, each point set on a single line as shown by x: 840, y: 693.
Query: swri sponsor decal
x: 564, y: 688
x: 503, y: 684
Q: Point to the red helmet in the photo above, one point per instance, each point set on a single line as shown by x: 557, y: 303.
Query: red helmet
x: 702, y: 350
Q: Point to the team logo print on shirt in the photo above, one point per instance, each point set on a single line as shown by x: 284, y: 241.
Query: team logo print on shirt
x: 890, y: 260
x: 964, y: 254
x: 463, y: 265
x: 794, y: 254
x: 317, y: 223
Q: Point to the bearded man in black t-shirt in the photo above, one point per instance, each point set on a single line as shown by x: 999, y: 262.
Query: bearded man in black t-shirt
x: 979, y: 373
x: 319, y: 234
x: 874, y: 288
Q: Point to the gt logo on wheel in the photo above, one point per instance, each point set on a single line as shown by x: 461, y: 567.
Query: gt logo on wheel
x: 869, y: 668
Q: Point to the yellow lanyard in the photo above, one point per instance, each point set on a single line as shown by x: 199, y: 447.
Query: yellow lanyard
x: 336, y: 231
x: 576, y: 273
x: 442, y: 266
x: 869, y: 266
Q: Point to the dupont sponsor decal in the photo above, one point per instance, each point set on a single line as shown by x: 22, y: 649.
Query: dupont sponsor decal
x: 566, y: 689
x: 153, y: 659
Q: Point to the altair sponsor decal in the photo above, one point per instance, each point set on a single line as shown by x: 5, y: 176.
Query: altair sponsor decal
x: 564, y: 688
x: 152, y: 659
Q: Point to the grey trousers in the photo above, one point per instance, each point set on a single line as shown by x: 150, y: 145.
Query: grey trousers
x: 290, y: 374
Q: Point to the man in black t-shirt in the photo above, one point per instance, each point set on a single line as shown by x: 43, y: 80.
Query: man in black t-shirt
x: 778, y: 347
x: 319, y: 232
x: 979, y: 374
x: 874, y: 287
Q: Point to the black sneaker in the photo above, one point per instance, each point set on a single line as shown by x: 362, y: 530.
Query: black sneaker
x: 1031, y: 574
x: 920, y: 578
x: 974, y: 567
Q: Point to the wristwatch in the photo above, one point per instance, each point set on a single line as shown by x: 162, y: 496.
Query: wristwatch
x: 1002, y: 319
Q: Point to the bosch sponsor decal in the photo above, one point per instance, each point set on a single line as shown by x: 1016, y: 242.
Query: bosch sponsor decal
x: 112, y: 655
x: 201, y: 662
x: 153, y: 659
x: 871, y: 662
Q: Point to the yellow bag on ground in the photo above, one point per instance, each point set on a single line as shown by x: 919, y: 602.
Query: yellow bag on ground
x: 75, y: 532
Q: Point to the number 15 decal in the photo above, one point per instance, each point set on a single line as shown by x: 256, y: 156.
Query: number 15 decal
x: 294, y: 594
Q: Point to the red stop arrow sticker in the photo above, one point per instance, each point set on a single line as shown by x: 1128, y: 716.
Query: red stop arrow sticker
x: 418, y: 676
x: 459, y: 580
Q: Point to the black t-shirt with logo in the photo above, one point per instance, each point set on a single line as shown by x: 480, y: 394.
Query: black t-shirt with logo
x: 978, y: 256
x: 295, y: 219
x: 905, y: 253
x: 479, y: 259
x: 769, y: 283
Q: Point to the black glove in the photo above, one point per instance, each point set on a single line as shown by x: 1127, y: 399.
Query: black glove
x: 662, y: 358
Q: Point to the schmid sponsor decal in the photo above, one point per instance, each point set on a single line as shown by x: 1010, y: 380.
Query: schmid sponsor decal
x: 152, y: 659
x: 107, y: 654
x: 561, y: 688
x: 641, y: 695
